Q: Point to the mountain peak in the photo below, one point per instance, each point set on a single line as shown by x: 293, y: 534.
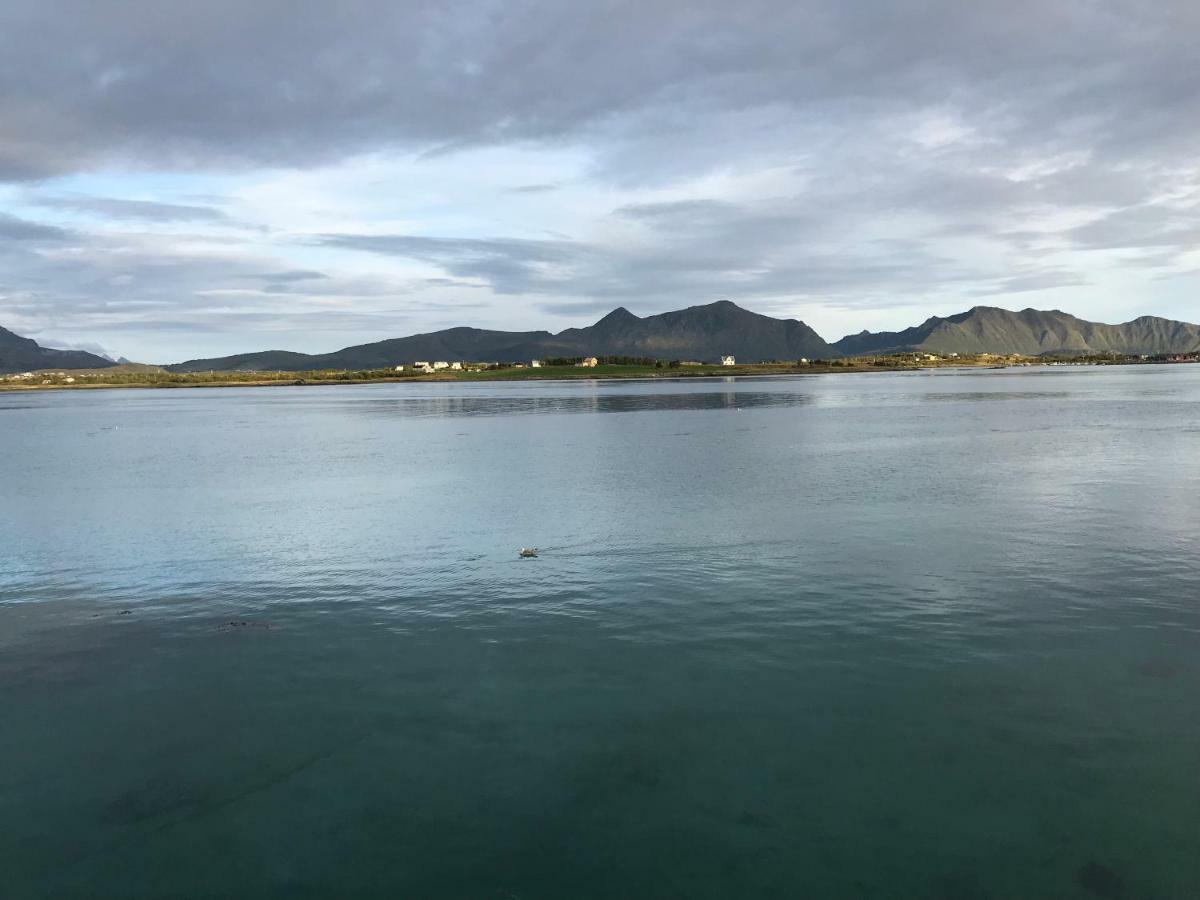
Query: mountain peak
x: 618, y: 316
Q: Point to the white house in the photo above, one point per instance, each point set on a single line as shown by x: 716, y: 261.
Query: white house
x: 589, y: 363
x: 424, y: 368
x: 456, y: 366
x: 535, y: 364
x: 441, y: 365
x: 728, y: 361
x: 420, y: 364
x: 399, y: 368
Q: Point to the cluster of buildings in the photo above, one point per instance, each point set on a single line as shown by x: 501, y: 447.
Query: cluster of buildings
x: 428, y: 368
x: 588, y: 362
x: 44, y: 376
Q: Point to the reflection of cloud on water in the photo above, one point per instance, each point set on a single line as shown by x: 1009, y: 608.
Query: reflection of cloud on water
x: 426, y: 407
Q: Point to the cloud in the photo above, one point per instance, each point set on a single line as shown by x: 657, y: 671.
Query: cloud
x: 723, y: 251
x: 534, y: 188
x: 86, y: 346
x: 15, y: 229
x: 1033, y: 281
x: 290, y: 276
x: 1140, y: 226
x: 123, y: 285
x: 227, y: 83
x: 509, y: 265
x: 117, y: 208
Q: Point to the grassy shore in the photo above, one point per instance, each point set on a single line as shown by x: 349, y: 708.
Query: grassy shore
x: 139, y: 376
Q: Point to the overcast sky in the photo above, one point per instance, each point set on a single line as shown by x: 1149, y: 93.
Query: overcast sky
x: 182, y: 179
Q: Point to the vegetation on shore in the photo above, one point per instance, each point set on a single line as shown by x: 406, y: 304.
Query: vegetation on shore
x: 140, y: 376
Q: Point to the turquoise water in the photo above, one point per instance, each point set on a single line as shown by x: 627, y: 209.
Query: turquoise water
x: 896, y: 635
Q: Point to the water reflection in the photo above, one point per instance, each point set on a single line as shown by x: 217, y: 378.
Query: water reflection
x: 450, y: 407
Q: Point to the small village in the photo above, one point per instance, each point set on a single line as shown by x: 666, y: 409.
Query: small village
x: 588, y: 362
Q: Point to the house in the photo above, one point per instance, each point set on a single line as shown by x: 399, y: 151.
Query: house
x: 803, y: 361
x: 589, y: 363
x: 728, y: 361
x: 399, y: 368
x: 421, y: 364
x: 535, y: 364
x: 456, y: 367
x: 441, y: 365
x: 424, y: 368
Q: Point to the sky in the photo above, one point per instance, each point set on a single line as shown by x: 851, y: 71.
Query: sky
x: 183, y: 179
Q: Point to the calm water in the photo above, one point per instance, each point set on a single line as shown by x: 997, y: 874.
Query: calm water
x: 912, y: 635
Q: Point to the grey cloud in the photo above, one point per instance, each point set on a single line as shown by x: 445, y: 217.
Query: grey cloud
x: 1140, y: 226
x: 1033, y: 281
x: 114, y: 283
x: 14, y: 229
x: 676, y: 210
x: 534, y: 188
x: 228, y: 83
x: 510, y: 265
x: 452, y: 249
x: 290, y: 275
x: 118, y: 208
x: 88, y: 346
x: 751, y: 256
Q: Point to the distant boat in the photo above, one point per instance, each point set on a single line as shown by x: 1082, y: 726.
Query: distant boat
x: 527, y: 552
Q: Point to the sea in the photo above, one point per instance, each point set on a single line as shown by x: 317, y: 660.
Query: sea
x: 928, y: 634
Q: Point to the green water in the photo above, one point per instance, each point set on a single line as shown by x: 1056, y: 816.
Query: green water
x: 912, y: 635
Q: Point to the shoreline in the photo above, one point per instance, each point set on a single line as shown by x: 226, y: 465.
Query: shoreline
x: 91, y: 381
x: 435, y: 379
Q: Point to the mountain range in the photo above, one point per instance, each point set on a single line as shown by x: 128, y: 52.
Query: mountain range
x: 20, y: 354
x: 723, y: 328
x: 1030, y: 332
x: 699, y: 332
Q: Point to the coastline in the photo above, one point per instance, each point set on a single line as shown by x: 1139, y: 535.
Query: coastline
x: 605, y: 373
x: 103, y: 379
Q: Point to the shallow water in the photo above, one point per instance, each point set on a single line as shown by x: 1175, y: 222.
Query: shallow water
x: 895, y: 635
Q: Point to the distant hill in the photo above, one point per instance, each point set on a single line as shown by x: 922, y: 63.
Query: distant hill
x: 19, y: 354
x: 451, y: 345
x: 699, y: 332
x: 1030, y: 332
